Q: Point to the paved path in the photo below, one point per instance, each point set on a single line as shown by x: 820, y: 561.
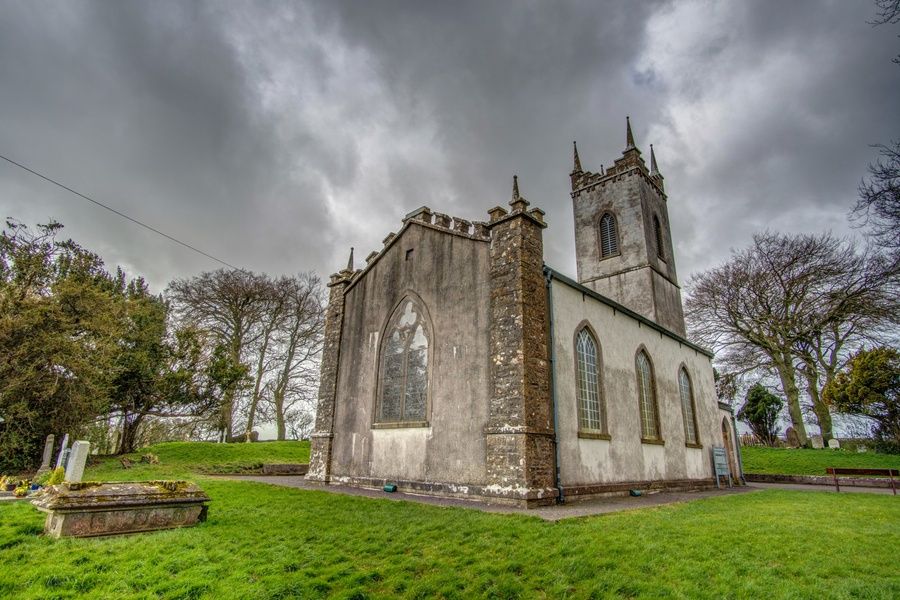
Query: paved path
x: 550, y: 513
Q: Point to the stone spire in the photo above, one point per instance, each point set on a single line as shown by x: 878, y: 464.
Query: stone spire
x: 654, y: 170
x: 350, y: 262
x: 518, y: 202
x: 629, y: 137
x: 577, y: 168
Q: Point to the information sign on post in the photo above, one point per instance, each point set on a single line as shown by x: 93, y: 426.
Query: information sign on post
x: 720, y: 464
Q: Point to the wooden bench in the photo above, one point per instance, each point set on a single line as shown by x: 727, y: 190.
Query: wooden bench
x: 835, y: 471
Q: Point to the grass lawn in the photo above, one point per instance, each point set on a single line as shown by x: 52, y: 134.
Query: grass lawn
x: 803, y: 461
x: 186, y: 459
x: 266, y: 542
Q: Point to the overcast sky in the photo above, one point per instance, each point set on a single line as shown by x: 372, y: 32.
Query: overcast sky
x: 277, y: 135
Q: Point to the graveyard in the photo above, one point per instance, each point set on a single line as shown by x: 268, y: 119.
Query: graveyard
x: 263, y: 541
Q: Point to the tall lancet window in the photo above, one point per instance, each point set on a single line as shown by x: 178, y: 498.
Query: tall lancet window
x: 647, y: 398
x: 609, y: 236
x: 657, y: 228
x: 687, y: 407
x: 588, y: 382
x: 403, y: 394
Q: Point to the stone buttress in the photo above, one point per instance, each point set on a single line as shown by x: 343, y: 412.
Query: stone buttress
x: 322, y: 437
x: 519, y: 434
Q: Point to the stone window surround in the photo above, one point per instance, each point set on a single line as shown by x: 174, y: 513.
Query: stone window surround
x: 615, y: 220
x: 408, y: 295
x: 658, y: 440
x: 585, y: 433
x: 697, y: 444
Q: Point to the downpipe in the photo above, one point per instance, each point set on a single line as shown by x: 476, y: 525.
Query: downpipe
x: 548, y: 277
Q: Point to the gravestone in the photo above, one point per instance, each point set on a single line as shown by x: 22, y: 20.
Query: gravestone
x: 817, y: 442
x: 61, y: 459
x: 834, y: 444
x: 77, y: 460
x: 48, y: 454
x: 791, y: 438
x: 92, y: 508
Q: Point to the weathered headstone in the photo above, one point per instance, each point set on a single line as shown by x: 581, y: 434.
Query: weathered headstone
x: 61, y: 458
x: 48, y: 454
x: 817, y: 442
x: 77, y: 460
x: 791, y: 438
x: 834, y: 444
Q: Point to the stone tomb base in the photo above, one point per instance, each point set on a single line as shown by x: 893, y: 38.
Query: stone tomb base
x: 90, y: 509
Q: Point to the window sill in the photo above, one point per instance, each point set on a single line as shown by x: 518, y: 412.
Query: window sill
x: 594, y: 435
x: 697, y: 446
x: 402, y: 425
x: 653, y: 442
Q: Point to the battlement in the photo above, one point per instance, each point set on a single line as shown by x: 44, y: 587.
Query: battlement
x: 474, y: 230
x: 631, y: 161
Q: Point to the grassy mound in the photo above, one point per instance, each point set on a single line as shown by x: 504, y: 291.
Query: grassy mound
x: 803, y: 461
x: 180, y: 460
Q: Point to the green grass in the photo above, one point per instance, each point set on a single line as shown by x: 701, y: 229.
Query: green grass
x: 266, y: 542
x: 182, y: 460
x: 802, y: 461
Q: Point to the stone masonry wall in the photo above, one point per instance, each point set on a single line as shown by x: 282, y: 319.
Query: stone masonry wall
x: 321, y: 439
x: 520, y: 451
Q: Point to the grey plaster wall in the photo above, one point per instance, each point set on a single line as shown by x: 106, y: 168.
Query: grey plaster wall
x: 624, y: 457
x: 449, y: 274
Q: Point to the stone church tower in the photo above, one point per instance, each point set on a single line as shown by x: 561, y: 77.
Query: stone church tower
x: 623, y: 243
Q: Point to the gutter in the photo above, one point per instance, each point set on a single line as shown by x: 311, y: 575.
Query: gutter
x: 548, y: 275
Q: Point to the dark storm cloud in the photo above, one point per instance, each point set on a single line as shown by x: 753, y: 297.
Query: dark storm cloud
x: 276, y: 135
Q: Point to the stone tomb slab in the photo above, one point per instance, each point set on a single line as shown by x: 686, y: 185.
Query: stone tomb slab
x: 93, y: 509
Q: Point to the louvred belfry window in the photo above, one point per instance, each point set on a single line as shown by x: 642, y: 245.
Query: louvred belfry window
x: 403, y: 395
x: 659, y: 237
x: 609, y: 236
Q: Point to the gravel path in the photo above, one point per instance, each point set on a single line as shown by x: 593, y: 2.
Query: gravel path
x: 550, y: 513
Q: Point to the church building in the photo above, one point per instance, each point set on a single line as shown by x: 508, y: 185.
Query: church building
x: 457, y: 363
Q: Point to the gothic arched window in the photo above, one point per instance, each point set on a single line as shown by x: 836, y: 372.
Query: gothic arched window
x: 647, y: 398
x: 587, y: 369
x: 403, y: 394
x: 609, y: 235
x: 659, y: 237
x: 687, y: 407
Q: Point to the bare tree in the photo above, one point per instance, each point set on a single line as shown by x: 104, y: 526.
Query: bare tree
x: 229, y: 304
x: 888, y: 14
x: 792, y: 304
x: 299, y: 338
x: 275, y: 296
x: 878, y: 206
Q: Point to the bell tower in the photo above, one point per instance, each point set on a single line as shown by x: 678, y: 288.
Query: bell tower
x: 623, y: 244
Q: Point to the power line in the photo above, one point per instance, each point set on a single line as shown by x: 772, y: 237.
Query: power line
x: 121, y: 214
